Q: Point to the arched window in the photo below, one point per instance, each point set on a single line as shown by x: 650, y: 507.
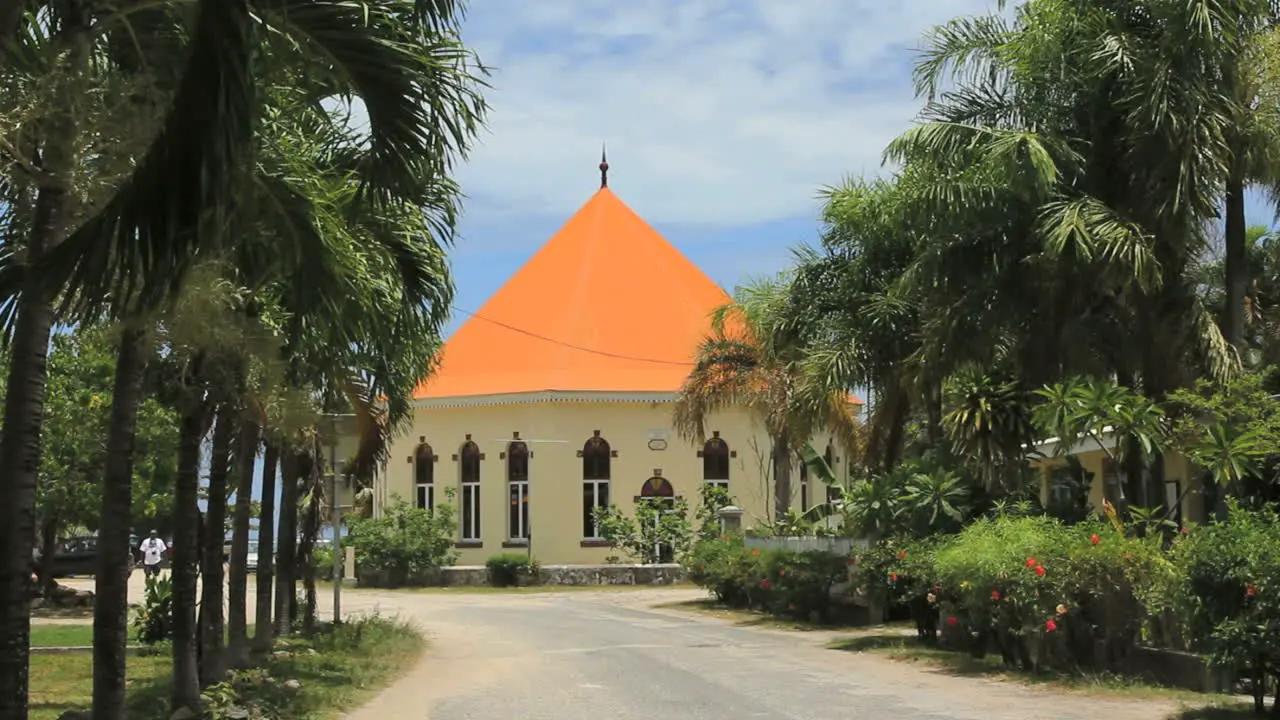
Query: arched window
x: 715, y: 462
x: 833, y: 490
x: 469, y: 465
x: 804, y: 485
x: 518, y: 491
x: 424, y: 477
x: 595, y: 456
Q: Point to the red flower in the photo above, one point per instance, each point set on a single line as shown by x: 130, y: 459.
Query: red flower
x: 1031, y: 562
x: 952, y: 621
x: 1040, y: 570
x: 755, y: 553
x: 1095, y: 539
x: 1250, y: 590
x: 764, y: 583
x: 893, y: 577
x: 995, y: 595
x: 1050, y: 626
x: 902, y: 555
x: 1184, y: 531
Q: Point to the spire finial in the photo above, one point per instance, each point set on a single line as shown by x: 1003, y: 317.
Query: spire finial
x: 604, y: 168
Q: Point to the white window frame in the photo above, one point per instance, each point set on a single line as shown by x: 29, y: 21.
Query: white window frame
x: 519, y: 491
x: 471, y: 533
x: 595, y: 503
x: 722, y: 484
x: 424, y: 496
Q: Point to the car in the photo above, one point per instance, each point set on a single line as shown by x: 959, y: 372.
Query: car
x: 78, y: 556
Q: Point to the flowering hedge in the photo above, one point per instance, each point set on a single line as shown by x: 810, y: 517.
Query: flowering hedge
x: 1035, y: 590
x: 784, y: 583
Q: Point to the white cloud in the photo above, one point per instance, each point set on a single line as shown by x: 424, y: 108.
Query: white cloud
x: 715, y: 111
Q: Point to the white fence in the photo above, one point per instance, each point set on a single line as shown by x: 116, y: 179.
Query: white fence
x: 835, y: 545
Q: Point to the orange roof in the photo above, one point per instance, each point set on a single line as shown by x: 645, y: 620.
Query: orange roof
x: 606, y: 305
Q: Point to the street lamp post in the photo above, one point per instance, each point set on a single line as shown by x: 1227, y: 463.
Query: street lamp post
x: 336, y: 516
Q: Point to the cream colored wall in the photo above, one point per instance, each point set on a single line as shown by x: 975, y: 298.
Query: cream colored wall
x: 554, y: 433
x: 1176, y: 467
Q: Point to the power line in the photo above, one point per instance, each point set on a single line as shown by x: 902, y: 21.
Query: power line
x: 569, y: 345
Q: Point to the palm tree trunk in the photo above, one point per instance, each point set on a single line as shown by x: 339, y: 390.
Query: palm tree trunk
x: 238, y: 573
x: 781, y: 477
x: 186, y: 558
x: 212, y: 668
x: 263, y: 633
x: 115, y: 556
x: 25, y: 387
x: 286, y: 557
x: 1234, y: 240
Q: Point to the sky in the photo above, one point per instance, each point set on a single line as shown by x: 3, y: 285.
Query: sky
x: 723, y: 120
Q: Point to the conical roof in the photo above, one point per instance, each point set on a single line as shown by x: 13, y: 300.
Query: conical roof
x: 607, y: 305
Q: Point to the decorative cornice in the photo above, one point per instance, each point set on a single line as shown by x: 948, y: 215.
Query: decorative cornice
x: 545, y: 396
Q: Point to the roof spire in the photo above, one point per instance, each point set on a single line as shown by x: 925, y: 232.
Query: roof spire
x: 604, y: 168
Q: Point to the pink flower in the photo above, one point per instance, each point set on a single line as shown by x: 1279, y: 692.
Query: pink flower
x: 1050, y: 626
x: 1184, y: 531
x: 893, y: 577
x: 1040, y: 570
x: 1095, y: 539
x: 1250, y: 590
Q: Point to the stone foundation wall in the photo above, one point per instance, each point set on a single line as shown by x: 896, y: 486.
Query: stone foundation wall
x: 666, y: 574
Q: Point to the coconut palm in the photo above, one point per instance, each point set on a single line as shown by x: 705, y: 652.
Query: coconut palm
x: 134, y: 251
x: 751, y: 360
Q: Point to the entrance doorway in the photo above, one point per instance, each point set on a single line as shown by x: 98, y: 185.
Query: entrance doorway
x: 657, y: 491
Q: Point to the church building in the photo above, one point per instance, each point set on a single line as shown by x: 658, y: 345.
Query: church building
x: 556, y: 398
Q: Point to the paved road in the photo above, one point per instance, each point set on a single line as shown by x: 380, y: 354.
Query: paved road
x: 612, y: 656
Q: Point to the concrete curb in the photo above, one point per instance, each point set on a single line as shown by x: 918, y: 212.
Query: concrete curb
x: 73, y: 649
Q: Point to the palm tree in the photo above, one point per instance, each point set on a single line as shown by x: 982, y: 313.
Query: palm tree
x: 167, y: 209
x: 751, y: 360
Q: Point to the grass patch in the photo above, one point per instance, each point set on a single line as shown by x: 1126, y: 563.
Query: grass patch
x: 65, y: 681
x: 338, y: 669
x: 755, y: 618
x: 906, y: 648
x: 62, y: 635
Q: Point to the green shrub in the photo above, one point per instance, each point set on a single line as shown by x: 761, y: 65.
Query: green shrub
x: 405, y: 540
x: 799, y: 583
x: 322, y: 557
x: 153, y: 619
x: 781, y: 582
x: 510, y: 569
x: 1230, y: 580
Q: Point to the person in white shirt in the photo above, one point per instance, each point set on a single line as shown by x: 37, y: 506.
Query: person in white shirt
x: 152, y: 551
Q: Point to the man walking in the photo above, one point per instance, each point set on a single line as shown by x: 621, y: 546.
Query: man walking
x: 152, y: 551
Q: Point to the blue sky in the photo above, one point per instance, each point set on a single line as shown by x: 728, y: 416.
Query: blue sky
x: 723, y: 119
